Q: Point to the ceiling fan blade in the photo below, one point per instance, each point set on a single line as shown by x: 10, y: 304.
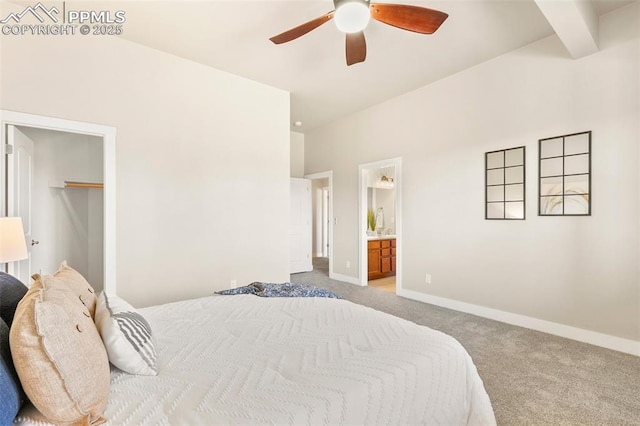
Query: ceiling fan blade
x: 356, y: 48
x: 411, y: 18
x: 301, y: 30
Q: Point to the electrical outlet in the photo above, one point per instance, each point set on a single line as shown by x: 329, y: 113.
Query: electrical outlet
x: 427, y: 279
x: 348, y: 264
x: 234, y: 283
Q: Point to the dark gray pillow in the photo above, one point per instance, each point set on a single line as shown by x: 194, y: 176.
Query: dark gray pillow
x: 11, y: 393
x: 11, y: 292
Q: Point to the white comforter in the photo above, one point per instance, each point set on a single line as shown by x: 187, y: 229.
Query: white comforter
x: 250, y: 360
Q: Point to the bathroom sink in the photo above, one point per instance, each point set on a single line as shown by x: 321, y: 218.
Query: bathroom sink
x: 381, y: 237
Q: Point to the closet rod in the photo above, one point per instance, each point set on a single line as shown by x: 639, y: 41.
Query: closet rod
x: 68, y: 184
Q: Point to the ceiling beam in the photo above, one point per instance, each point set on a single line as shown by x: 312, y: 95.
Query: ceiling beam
x: 575, y: 22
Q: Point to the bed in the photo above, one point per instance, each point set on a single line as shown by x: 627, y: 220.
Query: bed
x: 249, y: 360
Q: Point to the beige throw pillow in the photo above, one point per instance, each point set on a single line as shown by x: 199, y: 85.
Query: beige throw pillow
x: 59, y: 355
x: 69, y: 278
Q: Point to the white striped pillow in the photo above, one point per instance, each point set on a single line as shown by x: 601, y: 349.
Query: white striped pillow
x: 126, y: 335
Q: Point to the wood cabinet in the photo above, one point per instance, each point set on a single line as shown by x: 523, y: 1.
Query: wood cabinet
x: 381, y: 258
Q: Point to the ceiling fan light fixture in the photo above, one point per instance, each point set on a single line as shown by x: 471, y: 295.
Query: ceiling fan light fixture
x: 352, y: 16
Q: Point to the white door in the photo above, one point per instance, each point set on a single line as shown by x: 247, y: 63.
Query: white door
x: 19, y: 186
x: 300, y: 227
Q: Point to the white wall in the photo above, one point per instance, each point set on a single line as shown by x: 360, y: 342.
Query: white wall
x: 67, y: 223
x: 200, y: 156
x: 297, y: 155
x: 580, y: 271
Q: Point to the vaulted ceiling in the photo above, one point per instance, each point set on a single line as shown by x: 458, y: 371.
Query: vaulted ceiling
x: 233, y: 36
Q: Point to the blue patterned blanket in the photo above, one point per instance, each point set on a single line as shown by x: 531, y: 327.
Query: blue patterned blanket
x: 280, y: 290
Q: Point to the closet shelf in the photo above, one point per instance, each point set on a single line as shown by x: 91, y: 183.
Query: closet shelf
x: 75, y: 184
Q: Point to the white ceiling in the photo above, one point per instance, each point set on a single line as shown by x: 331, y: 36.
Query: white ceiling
x: 233, y: 36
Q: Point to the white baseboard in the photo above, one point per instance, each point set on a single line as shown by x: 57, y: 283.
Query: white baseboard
x: 592, y: 337
x: 345, y: 278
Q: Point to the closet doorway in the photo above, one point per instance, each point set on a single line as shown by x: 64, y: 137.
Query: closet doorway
x: 60, y: 179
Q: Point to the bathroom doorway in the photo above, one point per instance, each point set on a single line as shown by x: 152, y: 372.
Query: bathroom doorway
x: 380, y: 225
x: 322, y: 225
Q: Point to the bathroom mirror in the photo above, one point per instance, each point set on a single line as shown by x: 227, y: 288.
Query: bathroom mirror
x: 381, y: 202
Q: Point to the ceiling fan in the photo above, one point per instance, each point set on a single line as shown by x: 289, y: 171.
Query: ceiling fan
x: 352, y: 16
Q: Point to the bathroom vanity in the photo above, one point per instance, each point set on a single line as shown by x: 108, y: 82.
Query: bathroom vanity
x: 381, y: 256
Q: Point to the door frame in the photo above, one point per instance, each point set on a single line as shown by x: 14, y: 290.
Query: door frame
x: 327, y: 175
x: 363, y: 170
x: 108, y: 135
x: 325, y: 221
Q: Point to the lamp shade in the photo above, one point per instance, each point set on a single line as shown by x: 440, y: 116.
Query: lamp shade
x: 12, y: 244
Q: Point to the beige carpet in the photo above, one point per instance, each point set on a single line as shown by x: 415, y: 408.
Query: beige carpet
x: 532, y: 378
